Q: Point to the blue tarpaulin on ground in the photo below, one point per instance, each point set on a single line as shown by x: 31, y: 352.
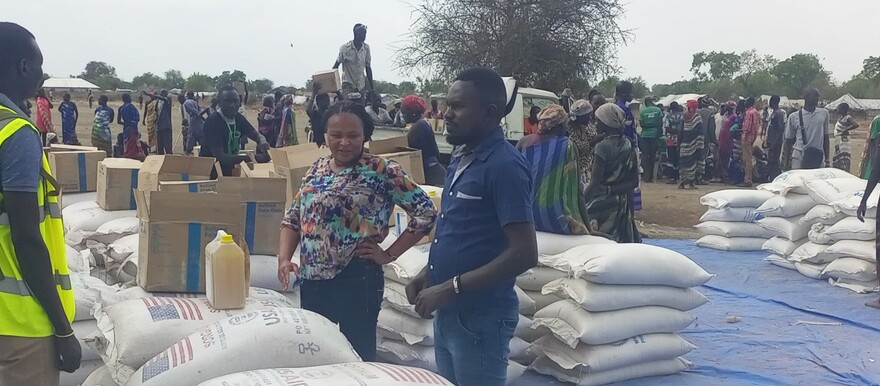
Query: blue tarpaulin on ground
x: 794, y: 330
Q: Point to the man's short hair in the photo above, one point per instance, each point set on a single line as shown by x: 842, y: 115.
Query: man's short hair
x: 624, y: 85
x: 15, y: 43
x: 488, y: 84
x: 774, y: 100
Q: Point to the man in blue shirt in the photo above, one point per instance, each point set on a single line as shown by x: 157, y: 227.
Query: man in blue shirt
x: 485, y: 237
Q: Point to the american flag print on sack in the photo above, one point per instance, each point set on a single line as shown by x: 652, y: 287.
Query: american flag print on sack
x: 172, y: 308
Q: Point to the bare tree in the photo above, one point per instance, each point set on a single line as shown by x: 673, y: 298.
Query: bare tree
x: 543, y: 43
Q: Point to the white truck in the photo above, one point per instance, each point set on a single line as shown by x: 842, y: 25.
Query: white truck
x: 513, y: 124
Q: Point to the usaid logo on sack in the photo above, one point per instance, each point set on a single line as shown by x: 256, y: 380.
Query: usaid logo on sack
x: 860, y: 193
x: 316, y: 374
x: 238, y: 320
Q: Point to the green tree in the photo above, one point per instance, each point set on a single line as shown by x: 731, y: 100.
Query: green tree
x: 199, y: 82
x: 871, y: 68
x: 715, y: 65
x: 173, y: 79
x: 383, y: 87
x: 547, y: 44
x: 407, y: 87
x: 261, y: 86
x: 799, y: 72
x: 861, y: 87
x: 227, y: 78
x: 640, y: 87
x: 146, y: 81
x: 430, y: 86
x: 608, y: 85
x: 95, y: 69
x: 108, y: 82
x: 754, y: 75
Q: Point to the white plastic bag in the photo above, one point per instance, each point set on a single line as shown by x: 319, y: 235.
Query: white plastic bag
x: 633, y: 264
x: 344, y: 374
x: 731, y: 229
x: 823, y: 214
x: 604, y: 297
x: 865, y: 250
x: 780, y: 261
x: 553, y: 244
x: 811, y: 253
x: 546, y: 366
x: 728, y: 214
x: 851, y: 269
x: 861, y: 287
x: 722, y: 243
x: 782, y: 247
x: 812, y: 271
x: 851, y: 228
x: 536, y: 278
x: 787, y: 206
x: 640, y: 349
x: 572, y: 324
x: 403, y: 327
x: 395, y: 297
x: 828, y: 190
x: 789, y: 228
x: 270, y: 338
x: 735, y: 198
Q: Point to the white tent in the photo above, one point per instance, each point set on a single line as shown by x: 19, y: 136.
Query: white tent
x: 69, y: 84
x: 855, y: 104
x: 679, y: 98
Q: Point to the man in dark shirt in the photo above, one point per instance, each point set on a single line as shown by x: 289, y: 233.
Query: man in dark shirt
x: 163, y: 124
x: 223, y: 132
x: 775, y: 131
x: 316, y: 117
x: 485, y: 237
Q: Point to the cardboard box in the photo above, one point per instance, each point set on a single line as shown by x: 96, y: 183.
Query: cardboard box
x: 401, y: 219
x: 292, y: 163
x: 263, y: 204
x: 117, y: 180
x: 174, y: 230
x: 173, y: 168
x: 206, y: 186
x: 61, y: 148
x: 76, y: 171
x: 398, y: 149
x: 329, y: 80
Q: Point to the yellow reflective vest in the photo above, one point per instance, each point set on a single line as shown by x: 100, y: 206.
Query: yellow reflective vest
x: 20, y: 313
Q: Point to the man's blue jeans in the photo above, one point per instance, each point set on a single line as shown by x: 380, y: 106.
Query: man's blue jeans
x: 472, y: 346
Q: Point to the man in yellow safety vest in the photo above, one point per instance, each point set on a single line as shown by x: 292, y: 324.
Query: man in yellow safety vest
x: 36, y: 298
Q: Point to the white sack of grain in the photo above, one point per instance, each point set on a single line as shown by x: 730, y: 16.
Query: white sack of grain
x: 740, y: 244
x: 812, y: 271
x: 735, y: 198
x: 865, y: 250
x: 787, y: 206
x: 795, y: 181
x: 823, y: 214
x: 343, y: 374
x: 731, y: 229
x: 286, y: 337
x: 87, y: 289
x: 113, y: 230
x: 403, y: 327
x: 400, y: 353
x: 526, y: 304
x: 68, y: 199
x: 782, y: 247
x: 633, y: 264
x: 851, y: 228
x: 546, y: 366
x: 536, y: 278
x: 570, y: 323
x: 787, y: 227
x: 780, y: 261
x: 828, y: 190
x: 728, y: 214
x: 852, y: 269
x: 87, y: 216
x: 633, y: 351
x: 408, y: 265
x: 811, y: 253
x: 817, y: 235
x: 608, y: 297
x: 861, y: 287
x: 543, y: 300
x: 552, y: 243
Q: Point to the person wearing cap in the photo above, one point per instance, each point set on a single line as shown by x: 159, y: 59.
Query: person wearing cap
x: 609, y: 195
x: 651, y: 120
x: 421, y: 136
x: 552, y: 158
x: 355, y: 58
x: 582, y: 131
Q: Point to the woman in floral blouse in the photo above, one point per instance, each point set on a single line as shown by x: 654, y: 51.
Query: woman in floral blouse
x: 338, y: 218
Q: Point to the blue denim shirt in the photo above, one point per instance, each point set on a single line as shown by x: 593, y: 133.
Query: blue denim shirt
x: 485, y: 190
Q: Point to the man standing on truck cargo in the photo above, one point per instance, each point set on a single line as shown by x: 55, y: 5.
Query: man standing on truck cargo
x: 36, y: 297
x: 354, y: 57
x: 485, y: 237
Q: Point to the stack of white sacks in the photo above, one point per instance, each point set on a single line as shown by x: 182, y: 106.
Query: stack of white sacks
x: 839, y: 247
x: 729, y: 223
x: 807, y: 224
x: 621, y: 307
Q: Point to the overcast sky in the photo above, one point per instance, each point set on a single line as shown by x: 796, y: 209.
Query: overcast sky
x: 210, y: 36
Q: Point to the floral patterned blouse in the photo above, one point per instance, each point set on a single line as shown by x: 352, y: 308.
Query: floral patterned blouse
x: 333, y: 212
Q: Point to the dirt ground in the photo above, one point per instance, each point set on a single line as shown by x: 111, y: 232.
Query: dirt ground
x: 667, y: 212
